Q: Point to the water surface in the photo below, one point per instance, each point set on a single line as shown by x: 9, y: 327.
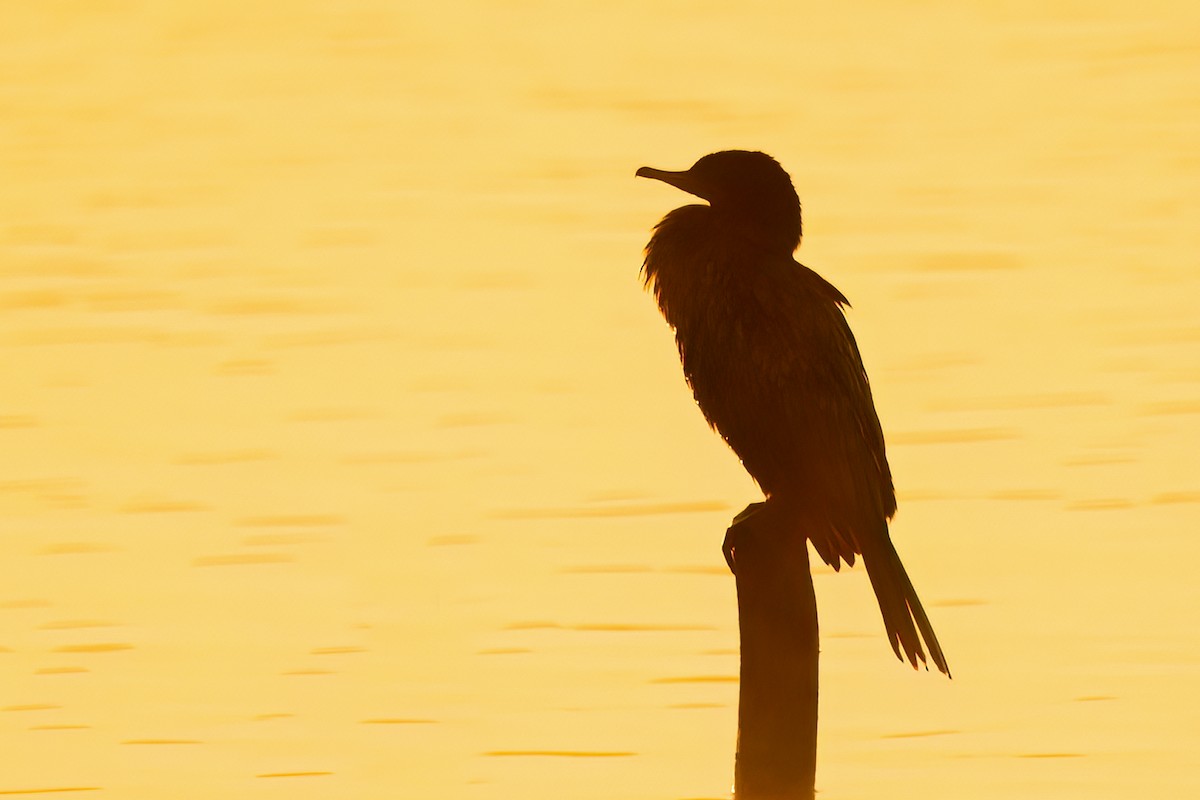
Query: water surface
x: 341, y: 454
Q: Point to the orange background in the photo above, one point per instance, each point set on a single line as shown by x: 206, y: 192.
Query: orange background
x: 342, y: 456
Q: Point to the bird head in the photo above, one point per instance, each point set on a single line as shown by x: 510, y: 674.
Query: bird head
x: 747, y: 187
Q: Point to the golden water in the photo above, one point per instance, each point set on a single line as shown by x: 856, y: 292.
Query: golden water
x: 342, y: 456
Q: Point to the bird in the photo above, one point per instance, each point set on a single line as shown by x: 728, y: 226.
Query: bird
x: 775, y: 369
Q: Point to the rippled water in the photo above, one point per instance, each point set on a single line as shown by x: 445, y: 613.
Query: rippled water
x: 341, y: 454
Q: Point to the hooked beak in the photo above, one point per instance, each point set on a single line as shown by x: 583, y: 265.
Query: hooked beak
x: 680, y: 180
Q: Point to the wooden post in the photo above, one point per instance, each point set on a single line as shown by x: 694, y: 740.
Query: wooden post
x: 777, y: 703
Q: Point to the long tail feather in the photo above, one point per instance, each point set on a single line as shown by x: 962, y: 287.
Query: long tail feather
x: 901, y: 607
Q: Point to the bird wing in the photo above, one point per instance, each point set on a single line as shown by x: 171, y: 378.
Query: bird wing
x: 834, y: 463
x: 855, y: 491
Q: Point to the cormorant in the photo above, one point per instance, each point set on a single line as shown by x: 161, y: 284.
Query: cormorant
x: 775, y: 369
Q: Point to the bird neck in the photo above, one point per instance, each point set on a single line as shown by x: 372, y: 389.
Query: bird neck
x: 772, y: 228
x: 698, y: 259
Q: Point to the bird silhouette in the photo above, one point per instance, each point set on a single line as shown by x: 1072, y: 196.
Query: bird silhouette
x: 768, y: 353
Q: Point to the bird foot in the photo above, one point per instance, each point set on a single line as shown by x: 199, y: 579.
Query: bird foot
x: 735, y: 532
